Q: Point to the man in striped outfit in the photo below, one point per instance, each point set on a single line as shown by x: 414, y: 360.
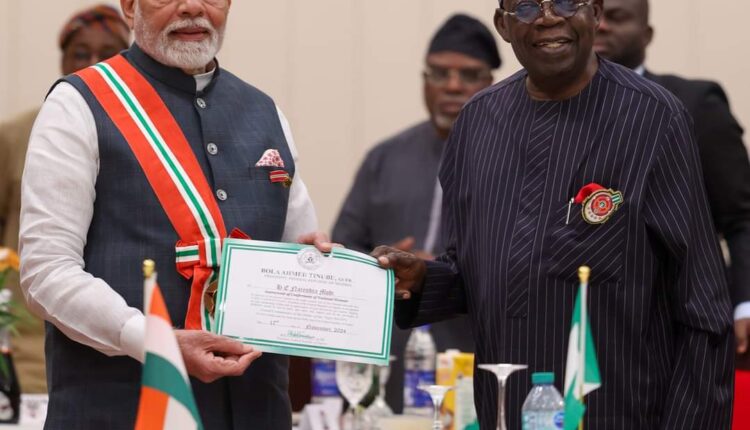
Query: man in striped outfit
x: 156, y: 153
x: 577, y: 161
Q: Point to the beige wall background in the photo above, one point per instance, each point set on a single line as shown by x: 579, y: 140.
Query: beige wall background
x: 347, y: 72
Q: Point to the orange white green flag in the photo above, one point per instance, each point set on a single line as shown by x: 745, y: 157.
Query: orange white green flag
x: 167, y: 400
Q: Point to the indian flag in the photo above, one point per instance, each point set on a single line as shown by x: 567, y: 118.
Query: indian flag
x: 582, y: 369
x: 166, y: 396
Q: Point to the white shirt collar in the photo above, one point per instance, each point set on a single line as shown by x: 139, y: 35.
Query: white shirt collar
x: 641, y: 70
x: 202, y: 80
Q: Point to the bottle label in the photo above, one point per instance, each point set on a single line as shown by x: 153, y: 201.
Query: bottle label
x: 414, y: 397
x: 542, y: 420
x: 527, y: 421
x: 324, y: 379
x: 559, y: 420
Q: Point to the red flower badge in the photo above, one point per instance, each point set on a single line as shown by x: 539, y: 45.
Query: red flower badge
x: 599, y: 203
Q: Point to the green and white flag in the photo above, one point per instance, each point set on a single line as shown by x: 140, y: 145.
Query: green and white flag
x: 582, y: 369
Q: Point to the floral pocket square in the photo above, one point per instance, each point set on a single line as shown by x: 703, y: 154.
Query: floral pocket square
x: 270, y: 158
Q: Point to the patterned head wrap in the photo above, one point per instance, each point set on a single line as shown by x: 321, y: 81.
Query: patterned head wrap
x: 104, y: 16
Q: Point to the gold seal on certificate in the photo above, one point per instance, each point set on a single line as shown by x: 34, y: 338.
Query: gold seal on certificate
x: 291, y: 299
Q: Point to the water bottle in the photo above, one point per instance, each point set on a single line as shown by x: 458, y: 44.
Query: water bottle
x: 543, y: 408
x: 323, y: 378
x: 419, y: 369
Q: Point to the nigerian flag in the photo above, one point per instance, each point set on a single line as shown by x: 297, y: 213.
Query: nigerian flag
x: 166, y: 396
x: 581, y: 370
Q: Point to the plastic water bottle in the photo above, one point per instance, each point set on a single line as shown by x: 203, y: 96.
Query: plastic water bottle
x: 419, y: 369
x: 543, y: 408
x: 323, y: 377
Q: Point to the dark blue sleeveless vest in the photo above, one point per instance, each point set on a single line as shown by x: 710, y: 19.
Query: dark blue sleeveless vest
x: 89, y: 390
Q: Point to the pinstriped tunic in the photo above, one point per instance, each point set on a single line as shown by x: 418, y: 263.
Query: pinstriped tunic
x: 658, y: 301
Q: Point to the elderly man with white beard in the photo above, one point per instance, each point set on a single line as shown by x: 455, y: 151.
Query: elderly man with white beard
x: 155, y: 153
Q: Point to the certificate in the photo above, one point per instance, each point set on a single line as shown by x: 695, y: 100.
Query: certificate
x: 291, y: 299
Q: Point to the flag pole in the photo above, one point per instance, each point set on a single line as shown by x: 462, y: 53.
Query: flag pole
x: 149, y: 270
x: 584, y: 273
x: 149, y: 266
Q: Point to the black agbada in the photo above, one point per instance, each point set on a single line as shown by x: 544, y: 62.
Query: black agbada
x: 658, y: 302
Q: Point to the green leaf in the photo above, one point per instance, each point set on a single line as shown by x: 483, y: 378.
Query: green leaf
x: 4, y: 368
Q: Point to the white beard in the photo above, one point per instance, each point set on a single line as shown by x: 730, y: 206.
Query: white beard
x: 444, y: 122
x: 186, y: 55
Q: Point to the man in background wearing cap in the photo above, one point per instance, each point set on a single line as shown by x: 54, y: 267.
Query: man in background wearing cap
x: 88, y: 37
x: 396, y: 197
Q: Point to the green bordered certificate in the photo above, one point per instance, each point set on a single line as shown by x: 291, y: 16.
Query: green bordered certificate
x: 291, y: 299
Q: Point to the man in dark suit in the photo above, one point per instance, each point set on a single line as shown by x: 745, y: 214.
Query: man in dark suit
x: 623, y: 36
x: 658, y: 303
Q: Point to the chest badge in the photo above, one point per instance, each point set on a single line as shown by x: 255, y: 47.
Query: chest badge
x: 599, y: 203
x: 280, y: 176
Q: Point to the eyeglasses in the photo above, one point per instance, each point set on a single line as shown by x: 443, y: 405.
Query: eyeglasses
x: 528, y: 11
x: 440, y: 76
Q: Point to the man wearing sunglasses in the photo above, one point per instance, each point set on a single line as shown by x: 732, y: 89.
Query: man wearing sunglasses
x: 395, y: 197
x: 623, y: 36
x: 576, y: 161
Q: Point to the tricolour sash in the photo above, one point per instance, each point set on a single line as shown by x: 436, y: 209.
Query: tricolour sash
x: 171, y: 168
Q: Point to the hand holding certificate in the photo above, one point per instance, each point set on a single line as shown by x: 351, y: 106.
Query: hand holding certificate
x: 291, y: 299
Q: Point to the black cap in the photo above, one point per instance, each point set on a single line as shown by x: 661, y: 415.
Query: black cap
x: 464, y: 34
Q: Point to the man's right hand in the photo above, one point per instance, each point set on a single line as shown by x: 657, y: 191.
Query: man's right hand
x: 209, y: 357
x: 409, y: 269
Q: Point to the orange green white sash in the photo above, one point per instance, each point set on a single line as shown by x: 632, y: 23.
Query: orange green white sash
x: 171, y: 168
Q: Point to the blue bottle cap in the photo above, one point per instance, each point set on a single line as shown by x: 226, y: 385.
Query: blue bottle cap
x: 541, y: 378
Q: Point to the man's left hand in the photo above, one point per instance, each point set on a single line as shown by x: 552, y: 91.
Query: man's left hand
x: 319, y: 239
x: 742, y: 334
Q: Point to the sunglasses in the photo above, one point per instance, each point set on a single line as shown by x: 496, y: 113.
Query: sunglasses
x: 528, y: 11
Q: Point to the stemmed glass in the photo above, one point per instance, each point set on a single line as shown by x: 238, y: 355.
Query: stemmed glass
x: 354, y: 381
x: 437, y: 394
x: 379, y: 408
x: 502, y: 372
